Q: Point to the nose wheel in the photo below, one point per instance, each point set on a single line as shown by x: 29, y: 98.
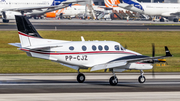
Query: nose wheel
x: 81, y: 78
x: 142, y: 78
x: 113, y: 80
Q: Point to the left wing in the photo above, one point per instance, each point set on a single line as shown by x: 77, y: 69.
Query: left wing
x: 129, y: 59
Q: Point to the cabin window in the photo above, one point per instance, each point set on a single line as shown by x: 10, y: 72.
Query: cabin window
x: 116, y: 47
x: 71, y: 48
x: 106, y: 47
x: 94, y: 48
x: 84, y: 48
x: 100, y: 47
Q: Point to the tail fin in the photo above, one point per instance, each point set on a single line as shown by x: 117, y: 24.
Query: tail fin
x: 111, y: 3
x: 57, y: 2
x: 25, y: 30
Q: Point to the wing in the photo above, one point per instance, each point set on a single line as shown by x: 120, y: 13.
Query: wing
x: 129, y: 59
x: 109, y: 65
x: 49, y: 8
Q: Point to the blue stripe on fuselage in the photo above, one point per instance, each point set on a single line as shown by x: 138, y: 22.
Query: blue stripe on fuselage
x: 130, y: 57
x: 57, y: 2
x: 137, y: 5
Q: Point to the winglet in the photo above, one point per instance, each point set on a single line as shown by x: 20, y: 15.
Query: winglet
x: 167, y: 52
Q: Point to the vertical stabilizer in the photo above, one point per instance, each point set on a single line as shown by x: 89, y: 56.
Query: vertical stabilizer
x: 25, y: 30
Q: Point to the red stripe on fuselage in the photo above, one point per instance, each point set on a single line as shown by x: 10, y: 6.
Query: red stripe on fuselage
x: 93, y: 52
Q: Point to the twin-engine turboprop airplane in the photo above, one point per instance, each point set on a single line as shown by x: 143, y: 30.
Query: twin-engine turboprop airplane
x: 96, y: 55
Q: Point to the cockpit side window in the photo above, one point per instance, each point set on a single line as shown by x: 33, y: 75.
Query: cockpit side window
x: 116, y: 47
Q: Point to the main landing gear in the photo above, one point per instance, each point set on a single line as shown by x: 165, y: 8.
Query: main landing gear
x: 141, y: 78
x: 113, y: 80
x: 80, y: 77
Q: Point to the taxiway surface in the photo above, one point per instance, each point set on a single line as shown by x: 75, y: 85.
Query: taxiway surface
x: 91, y: 25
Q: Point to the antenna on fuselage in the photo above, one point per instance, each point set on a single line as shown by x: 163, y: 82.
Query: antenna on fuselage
x: 82, y: 38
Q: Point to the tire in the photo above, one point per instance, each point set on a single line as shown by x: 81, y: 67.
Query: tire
x: 141, y: 79
x: 5, y: 21
x: 161, y: 20
x: 81, y: 78
x: 175, y: 20
x: 113, y: 81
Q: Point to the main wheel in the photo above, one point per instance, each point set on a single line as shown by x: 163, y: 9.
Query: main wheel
x: 141, y: 79
x: 175, y: 20
x: 81, y: 78
x: 113, y: 81
x: 161, y: 20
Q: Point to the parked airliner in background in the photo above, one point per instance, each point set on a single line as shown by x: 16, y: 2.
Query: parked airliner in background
x: 9, y: 8
x: 156, y: 9
x: 97, y: 55
x: 74, y: 10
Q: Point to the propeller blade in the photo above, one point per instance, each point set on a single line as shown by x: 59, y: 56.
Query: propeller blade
x: 125, y: 46
x: 153, y: 74
x: 105, y: 70
x: 153, y: 50
x: 166, y: 63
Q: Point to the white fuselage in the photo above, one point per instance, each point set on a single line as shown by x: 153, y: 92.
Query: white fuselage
x: 157, y: 9
x: 79, y: 53
x: 22, y: 4
x: 7, y: 4
x: 75, y: 10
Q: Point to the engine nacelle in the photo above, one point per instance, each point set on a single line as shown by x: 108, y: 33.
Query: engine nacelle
x: 50, y: 15
x: 10, y: 15
x: 166, y: 14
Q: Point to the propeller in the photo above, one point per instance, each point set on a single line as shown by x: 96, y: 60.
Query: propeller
x: 153, y: 54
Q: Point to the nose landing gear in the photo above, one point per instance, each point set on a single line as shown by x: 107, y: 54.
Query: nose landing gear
x: 141, y: 78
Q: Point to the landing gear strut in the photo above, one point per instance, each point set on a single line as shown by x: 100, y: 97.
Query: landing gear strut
x: 141, y: 78
x: 80, y: 77
x: 113, y: 80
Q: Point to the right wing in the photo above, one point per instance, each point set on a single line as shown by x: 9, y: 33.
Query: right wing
x: 109, y: 65
x: 129, y: 59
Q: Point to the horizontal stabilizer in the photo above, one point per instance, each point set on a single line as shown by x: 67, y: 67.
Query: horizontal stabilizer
x: 15, y: 44
x: 109, y: 65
